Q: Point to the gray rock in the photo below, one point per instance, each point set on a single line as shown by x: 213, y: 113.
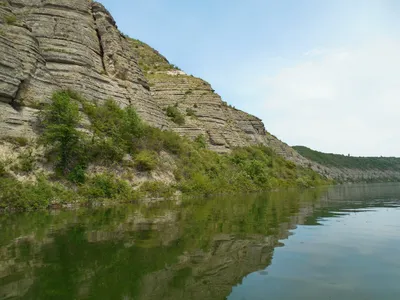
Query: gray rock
x: 48, y: 45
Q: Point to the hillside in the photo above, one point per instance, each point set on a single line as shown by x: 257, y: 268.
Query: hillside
x: 89, y: 115
x: 350, y: 168
x: 50, y: 45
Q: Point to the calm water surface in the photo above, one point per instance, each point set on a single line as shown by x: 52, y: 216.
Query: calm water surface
x: 335, y: 243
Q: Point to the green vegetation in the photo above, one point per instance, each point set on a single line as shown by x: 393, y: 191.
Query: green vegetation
x: 351, y: 162
x: 175, y: 115
x: 10, y: 19
x: 190, y: 112
x: 244, y: 170
x: 146, y: 161
x: 117, y: 139
x: 150, y: 59
x: 60, y: 120
x: 201, y: 141
x: 3, y: 171
x: 17, y: 140
x: 24, y: 196
x: 107, y: 187
x: 157, y: 189
x: 114, y: 130
x: 26, y: 162
x: 44, y: 193
x: 192, y: 83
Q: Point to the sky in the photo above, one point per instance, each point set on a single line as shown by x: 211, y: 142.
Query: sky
x: 319, y: 73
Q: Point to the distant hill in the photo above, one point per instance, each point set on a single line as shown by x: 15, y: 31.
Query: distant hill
x: 350, y: 162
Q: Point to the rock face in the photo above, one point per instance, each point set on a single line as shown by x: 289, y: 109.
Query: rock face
x: 47, y: 45
x: 224, y: 126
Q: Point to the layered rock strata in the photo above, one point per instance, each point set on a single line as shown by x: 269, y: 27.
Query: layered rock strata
x: 50, y: 45
x: 47, y: 45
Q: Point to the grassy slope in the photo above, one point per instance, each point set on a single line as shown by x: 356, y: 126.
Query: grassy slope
x: 351, y: 162
x: 150, y: 59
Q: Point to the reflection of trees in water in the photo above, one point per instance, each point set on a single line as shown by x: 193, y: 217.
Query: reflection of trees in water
x: 196, y: 251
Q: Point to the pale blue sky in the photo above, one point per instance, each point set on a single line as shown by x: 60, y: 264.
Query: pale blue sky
x: 321, y: 73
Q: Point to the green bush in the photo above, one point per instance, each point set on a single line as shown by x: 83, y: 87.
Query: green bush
x: 17, y: 140
x: 175, y: 115
x: 26, y: 162
x: 10, y: 19
x: 3, y: 171
x: 146, y: 161
x: 157, y: 189
x: 154, y: 139
x: 199, y: 183
x: 60, y: 120
x: 190, y: 112
x: 115, y: 130
x: 28, y: 196
x: 172, y: 142
x: 78, y: 174
x: 201, y: 141
x: 107, y: 187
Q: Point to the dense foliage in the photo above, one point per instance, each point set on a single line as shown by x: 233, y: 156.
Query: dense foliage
x: 60, y: 121
x: 351, y: 162
x: 112, y: 137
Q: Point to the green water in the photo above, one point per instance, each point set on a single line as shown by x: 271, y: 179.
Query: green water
x: 336, y: 243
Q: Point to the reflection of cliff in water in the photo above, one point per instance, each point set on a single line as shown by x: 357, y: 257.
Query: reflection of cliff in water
x: 199, y: 250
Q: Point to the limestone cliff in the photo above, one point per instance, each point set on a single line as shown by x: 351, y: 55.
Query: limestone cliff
x: 206, y: 113
x: 47, y: 45
x: 50, y: 45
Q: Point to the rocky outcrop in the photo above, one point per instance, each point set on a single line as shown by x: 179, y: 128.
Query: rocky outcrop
x: 47, y: 45
x: 224, y: 126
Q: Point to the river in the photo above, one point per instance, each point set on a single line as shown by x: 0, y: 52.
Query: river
x: 339, y: 242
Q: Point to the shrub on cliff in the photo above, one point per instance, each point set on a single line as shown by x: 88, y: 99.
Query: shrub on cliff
x: 107, y: 187
x: 60, y: 120
x: 201, y: 141
x: 3, y: 171
x: 27, y: 196
x: 146, y: 161
x: 114, y: 129
x: 175, y: 115
x: 157, y: 189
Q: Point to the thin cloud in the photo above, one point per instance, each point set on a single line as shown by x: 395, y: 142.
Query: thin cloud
x: 344, y: 100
